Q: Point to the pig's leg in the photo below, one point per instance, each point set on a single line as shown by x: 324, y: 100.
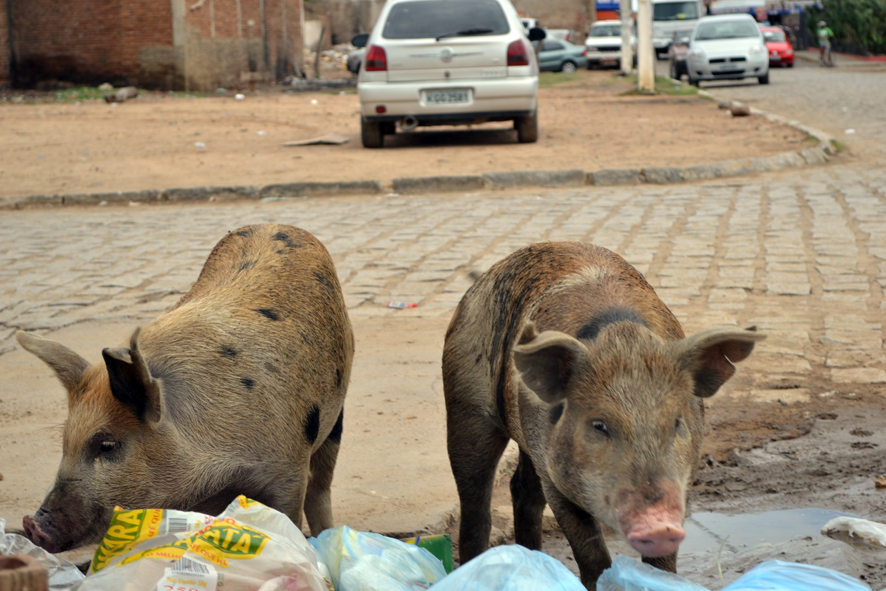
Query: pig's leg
x: 318, y: 499
x: 584, y: 535
x: 668, y: 562
x: 529, y: 504
x: 475, y: 446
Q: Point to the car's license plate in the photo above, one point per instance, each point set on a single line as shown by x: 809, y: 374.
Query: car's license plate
x: 727, y: 66
x: 447, y: 97
x: 775, y: 57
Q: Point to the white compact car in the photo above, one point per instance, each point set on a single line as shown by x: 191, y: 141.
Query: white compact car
x: 603, y: 44
x: 447, y: 62
x: 727, y: 47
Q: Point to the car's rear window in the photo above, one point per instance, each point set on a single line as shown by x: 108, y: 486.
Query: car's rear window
x: 774, y: 36
x: 674, y: 11
x: 726, y: 30
x: 606, y: 31
x: 447, y: 18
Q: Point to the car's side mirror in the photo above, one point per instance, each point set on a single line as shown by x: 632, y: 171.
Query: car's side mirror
x: 360, y: 40
x: 537, y: 34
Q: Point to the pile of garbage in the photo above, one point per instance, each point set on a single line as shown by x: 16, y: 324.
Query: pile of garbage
x: 251, y: 547
x: 335, y: 58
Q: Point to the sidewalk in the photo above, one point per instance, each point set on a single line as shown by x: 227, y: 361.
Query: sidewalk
x: 811, y: 55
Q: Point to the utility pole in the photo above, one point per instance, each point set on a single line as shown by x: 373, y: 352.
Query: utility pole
x: 645, y: 65
x: 627, y: 52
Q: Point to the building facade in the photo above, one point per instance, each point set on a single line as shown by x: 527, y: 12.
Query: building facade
x: 167, y: 44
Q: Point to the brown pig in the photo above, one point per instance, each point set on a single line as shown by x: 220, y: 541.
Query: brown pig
x: 238, y: 389
x: 566, y: 349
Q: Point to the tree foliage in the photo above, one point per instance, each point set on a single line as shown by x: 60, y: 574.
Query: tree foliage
x: 858, y: 25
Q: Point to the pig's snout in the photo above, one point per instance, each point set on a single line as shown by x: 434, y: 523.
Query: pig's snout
x: 657, y: 539
x: 32, y: 529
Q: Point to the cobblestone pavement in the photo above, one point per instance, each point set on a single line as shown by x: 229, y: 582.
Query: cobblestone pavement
x: 801, y: 254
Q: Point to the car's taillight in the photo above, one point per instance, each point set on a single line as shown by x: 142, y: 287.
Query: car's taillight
x: 584, y: 51
x: 376, y: 59
x: 518, y: 53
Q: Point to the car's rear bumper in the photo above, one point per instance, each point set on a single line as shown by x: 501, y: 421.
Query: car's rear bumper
x: 502, y: 98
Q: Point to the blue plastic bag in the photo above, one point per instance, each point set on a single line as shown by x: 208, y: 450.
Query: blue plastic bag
x: 361, y: 561
x: 630, y: 575
x: 775, y: 575
x: 510, y: 568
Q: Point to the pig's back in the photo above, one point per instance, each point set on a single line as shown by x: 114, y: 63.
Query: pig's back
x: 263, y: 334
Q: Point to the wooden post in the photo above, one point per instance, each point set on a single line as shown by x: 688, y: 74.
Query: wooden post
x: 319, y: 49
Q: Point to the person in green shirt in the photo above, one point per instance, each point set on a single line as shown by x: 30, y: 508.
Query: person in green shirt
x: 823, y: 33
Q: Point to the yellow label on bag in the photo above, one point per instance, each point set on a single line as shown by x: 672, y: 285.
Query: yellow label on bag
x: 127, y: 529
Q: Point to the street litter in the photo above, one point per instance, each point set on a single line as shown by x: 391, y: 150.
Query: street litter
x: 62, y: 574
x: 511, y: 568
x: 200, y: 145
x: 362, y: 561
x: 401, y: 305
x: 627, y: 574
x: 239, y: 97
x: 248, y: 546
x: 861, y: 534
x: 125, y: 93
x: 850, y: 130
x: 261, y: 133
x: 329, y: 138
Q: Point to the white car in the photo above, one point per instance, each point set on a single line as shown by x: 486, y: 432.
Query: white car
x: 447, y: 62
x: 727, y: 47
x: 603, y: 44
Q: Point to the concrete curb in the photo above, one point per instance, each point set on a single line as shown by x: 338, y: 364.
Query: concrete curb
x: 464, y: 183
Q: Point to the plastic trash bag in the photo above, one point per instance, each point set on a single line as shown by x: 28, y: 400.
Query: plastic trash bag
x: 62, y: 573
x: 631, y: 575
x: 249, y: 546
x: 511, y: 568
x: 361, y: 561
x: 792, y: 576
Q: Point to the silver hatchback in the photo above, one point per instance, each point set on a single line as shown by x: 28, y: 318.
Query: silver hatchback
x: 727, y: 47
x: 447, y: 62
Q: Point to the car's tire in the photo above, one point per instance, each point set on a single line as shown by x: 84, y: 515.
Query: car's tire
x: 693, y: 81
x: 371, y: 134
x: 673, y: 71
x: 568, y: 67
x: 791, y: 65
x: 389, y: 128
x: 763, y: 79
x: 527, y: 128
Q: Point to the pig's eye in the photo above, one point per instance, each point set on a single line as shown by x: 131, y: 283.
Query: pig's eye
x: 105, y: 446
x: 600, y: 427
x: 109, y: 446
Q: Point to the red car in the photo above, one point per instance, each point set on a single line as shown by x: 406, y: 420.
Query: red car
x: 781, y: 53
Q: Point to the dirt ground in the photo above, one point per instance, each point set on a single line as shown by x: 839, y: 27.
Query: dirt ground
x: 154, y: 141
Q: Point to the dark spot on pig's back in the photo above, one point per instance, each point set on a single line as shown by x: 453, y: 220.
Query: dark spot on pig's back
x: 337, y: 378
x: 284, y: 238
x: 323, y: 279
x: 335, y: 434
x: 247, y: 265
x: 312, y: 424
x: 592, y: 329
x: 269, y: 314
x: 248, y: 383
x: 228, y: 352
x: 245, y: 233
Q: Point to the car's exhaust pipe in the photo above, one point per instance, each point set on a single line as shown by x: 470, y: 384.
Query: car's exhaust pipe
x: 408, y: 123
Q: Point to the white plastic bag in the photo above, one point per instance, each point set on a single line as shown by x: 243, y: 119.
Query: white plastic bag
x: 248, y: 547
x: 361, y: 561
x: 511, y: 568
x: 62, y: 573
x: 631, y: 575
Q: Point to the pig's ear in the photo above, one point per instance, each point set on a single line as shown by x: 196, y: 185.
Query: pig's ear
x: 131, y: 381
x: 709, y: 356
x: 68, y: 366
x: 547, y: 362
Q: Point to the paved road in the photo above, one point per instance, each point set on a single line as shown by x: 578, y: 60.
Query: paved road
x: 848, y: 96
x: 727, y: 252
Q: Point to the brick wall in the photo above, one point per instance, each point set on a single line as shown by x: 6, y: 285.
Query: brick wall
x: 5, y: 53
x: 195, y: 44
x: 86, y: 41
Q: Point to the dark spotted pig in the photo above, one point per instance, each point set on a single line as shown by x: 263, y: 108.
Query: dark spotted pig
x: 238, y: 389
x: 566, y: 349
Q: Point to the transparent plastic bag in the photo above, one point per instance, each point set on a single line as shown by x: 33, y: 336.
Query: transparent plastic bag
x: 62, y: 574
x: 248, y: 546
x: 792, y: 576
x: 361, y: 561
x: 511, y: 568
x: 631, y: 575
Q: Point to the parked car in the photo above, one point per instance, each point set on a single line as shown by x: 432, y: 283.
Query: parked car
x: 727, y: 47
x: 781, y: 52
x: 561, y: 56
x: 677, y: 52
x: 447, y: 62
x: 561, y: 34
x: 603, y: 44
